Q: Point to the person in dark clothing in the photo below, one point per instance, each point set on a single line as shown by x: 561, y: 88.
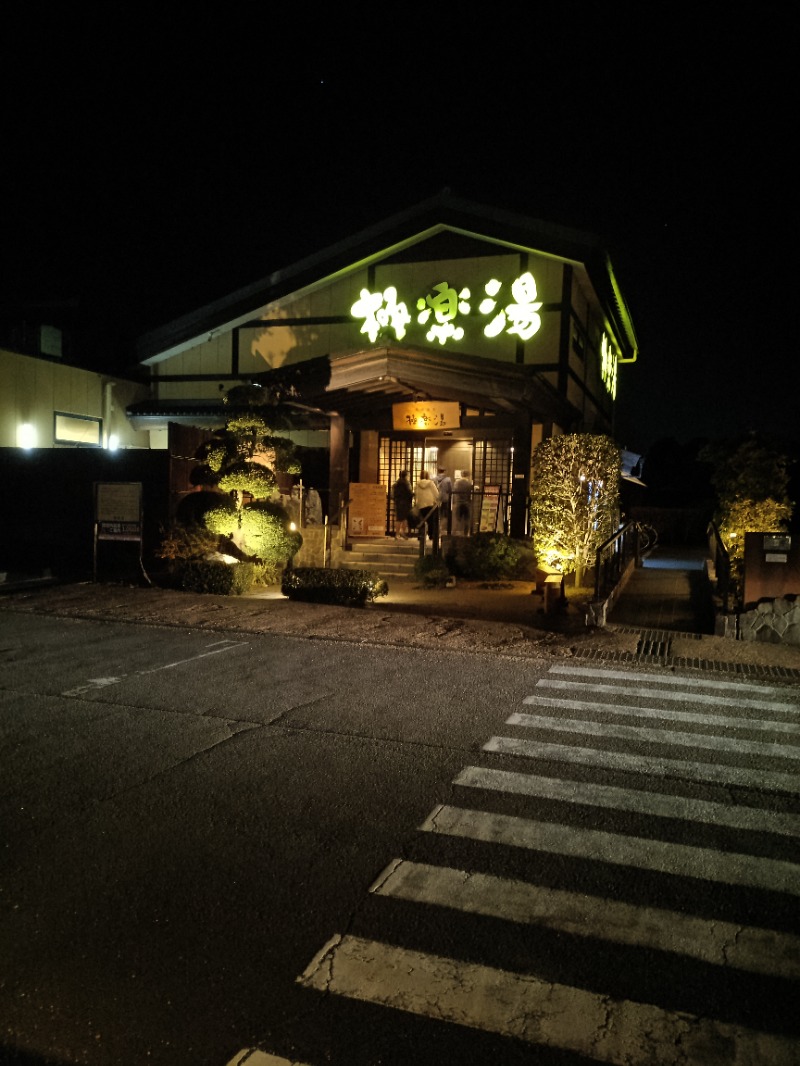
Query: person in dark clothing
x: 402, y: 495
x: 445, y: 486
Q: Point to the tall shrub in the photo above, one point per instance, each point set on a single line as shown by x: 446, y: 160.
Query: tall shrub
x: 751, y: 479
x: 574, y: 499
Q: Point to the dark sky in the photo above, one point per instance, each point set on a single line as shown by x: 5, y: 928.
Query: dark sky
x: 149, y: 167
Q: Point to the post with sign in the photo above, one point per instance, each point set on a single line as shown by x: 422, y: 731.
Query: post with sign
x: 118, y: 516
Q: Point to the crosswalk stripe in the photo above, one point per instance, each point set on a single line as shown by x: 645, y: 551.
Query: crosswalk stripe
x: 254, y: 1057
x: 630, y: 710
x: 572, y: 1019
x: 711, y: 742
x: 685, y: 860
x: 535, y: 1011
x: 642, y: 692
x: 754, y: 819
x: 748, y: 687
x: 762, y: 951
x: 646, y: 764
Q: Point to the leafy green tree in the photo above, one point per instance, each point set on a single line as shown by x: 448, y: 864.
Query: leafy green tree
x: 751, y: 480
x: 574, y: 499
x: 751, y: 468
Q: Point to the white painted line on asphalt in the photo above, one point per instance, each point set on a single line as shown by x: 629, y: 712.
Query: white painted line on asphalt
x: 538, y: 1012
x: 754, y: 819
x: 748, y: 687
x: 682, y: 860
x: 759, y: 780
x: 623, y: 710
x: 639, y: 733
x: 254, y: 1057
x: 660, y: 694
x: 217, y: 648
x: 755, y: 950
x: 95, y: 683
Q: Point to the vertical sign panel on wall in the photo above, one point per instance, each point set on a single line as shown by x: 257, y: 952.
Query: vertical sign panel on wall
x: 367, y: 510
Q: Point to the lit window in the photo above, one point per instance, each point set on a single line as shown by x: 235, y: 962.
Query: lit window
x: 81, y: 430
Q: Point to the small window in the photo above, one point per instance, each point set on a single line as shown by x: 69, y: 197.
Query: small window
x: 80, y: 430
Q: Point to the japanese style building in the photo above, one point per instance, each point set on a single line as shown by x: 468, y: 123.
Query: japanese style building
x: 450, y: 335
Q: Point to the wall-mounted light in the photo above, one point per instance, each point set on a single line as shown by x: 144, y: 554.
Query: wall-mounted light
x: 113, y: 442
x: 26, y: 436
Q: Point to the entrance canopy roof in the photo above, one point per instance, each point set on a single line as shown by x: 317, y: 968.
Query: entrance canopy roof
x: 360, y: 385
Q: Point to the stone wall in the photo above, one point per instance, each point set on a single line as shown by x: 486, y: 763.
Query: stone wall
x: 772, y: 621
x: 315, y: 542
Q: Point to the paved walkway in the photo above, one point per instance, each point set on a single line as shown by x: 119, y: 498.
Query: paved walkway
x: 670, y: 591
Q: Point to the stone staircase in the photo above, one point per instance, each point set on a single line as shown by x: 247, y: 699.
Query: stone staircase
x: 385, y: 556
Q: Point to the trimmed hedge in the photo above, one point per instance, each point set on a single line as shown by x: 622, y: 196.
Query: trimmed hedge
x: 219, y: 579
x: 345, y: 588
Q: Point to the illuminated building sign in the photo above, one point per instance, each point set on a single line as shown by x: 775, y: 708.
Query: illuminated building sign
x: 608, y: 366
x: 443, y: 310
x: 430, y: 414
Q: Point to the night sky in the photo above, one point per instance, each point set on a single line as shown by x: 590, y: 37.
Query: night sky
x: 151, y: 167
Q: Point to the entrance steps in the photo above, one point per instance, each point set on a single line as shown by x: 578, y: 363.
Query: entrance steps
x: 385, y: 556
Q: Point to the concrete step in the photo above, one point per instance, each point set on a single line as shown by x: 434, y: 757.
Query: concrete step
x: 388, y: 557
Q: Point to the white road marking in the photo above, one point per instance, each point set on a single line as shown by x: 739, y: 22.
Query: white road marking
x: 755, y: 819
x: 629, y: 710
x: 254, y: 1057
x: 763, y: 951
x: 95, y: 683
x: 685, y: 697
x: 747, y: 687
x: 639, y: 733
x: 540, y: 1012
x: 683, y: 860
x: 646, y: 764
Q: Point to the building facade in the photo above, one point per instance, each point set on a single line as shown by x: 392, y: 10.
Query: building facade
x: 450, y: 336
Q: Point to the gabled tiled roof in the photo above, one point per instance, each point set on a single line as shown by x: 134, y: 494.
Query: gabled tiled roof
x: 437, y: 214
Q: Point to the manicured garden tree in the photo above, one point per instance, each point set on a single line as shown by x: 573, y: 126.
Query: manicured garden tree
x: 235, y: 516
x: 751, y: 479
x: 241, y: 462
x: 574, y: 500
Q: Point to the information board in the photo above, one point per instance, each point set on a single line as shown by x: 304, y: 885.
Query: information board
x: 490, y: 510
x: 367, y: 510
x: 118, y: 510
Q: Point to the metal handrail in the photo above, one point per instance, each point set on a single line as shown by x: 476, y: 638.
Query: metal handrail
x: 614, y: 555
x: 722, y: 564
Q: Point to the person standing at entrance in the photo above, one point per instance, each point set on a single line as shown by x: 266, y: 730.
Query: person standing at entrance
x: 445, y: 487
x: 426, y: 497
x: 402, y: 494
x: 462, y: 503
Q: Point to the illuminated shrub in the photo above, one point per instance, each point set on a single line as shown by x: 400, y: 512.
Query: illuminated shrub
x: 488, y: 557
x: 254, y: 478
x: 194, y: 506
x: 344, y: 588
x: 432, y: 570
x: 217, y: 578
x: 574, y: 499
x: 184, y: 542
x: 749, y: 516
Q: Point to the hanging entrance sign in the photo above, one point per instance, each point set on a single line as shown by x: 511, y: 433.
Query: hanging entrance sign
x: 426, y: 414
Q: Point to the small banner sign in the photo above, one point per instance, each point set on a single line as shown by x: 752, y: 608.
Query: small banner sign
x: 426, y: 414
